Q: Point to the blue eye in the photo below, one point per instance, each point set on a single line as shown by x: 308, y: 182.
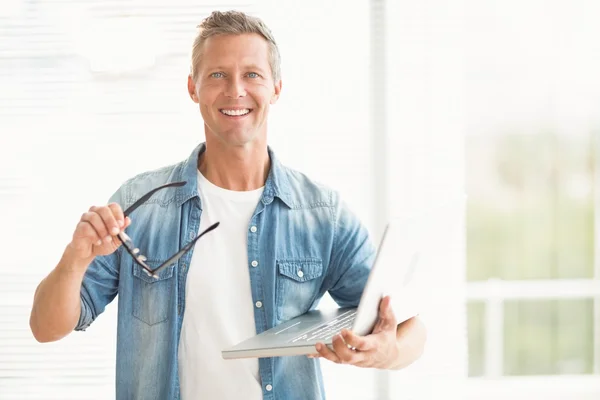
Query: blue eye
x: 216, y: 75
x: 253, y: 75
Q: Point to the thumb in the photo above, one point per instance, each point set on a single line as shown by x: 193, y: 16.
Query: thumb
x: 386, y: 313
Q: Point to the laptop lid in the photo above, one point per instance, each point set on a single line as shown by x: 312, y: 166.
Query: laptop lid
x: 401, y: 257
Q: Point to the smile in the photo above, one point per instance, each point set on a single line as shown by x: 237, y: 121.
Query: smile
x: 235, y: 113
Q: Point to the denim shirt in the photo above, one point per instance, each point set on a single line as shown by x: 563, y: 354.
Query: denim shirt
x: 300, y: 224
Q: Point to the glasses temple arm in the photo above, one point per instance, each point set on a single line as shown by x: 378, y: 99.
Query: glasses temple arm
x: 185, y: 248
x: 145, y: 197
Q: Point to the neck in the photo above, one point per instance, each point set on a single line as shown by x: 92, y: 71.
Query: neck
x: 239, y: 168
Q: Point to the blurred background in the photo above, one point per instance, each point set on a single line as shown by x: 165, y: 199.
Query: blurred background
x: 397, y: 104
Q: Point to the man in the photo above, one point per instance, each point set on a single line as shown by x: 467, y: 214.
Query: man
x: 237, y: 280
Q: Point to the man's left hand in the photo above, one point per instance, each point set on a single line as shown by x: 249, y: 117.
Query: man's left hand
x: 377, y: 350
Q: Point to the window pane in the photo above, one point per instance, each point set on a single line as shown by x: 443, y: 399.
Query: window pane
x: 530, y: 210
x: 476, y: 332
x: 548, y: 337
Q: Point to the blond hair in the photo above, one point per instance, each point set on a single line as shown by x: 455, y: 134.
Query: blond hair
x: 234, y: 23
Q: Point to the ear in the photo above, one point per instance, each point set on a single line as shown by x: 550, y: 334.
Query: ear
x: 192, y: 89
x: 275, y: 96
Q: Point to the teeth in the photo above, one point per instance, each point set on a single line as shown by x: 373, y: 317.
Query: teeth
x: 235, y: 112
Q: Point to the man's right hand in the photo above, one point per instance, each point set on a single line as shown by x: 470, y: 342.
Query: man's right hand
x: 95, y: 233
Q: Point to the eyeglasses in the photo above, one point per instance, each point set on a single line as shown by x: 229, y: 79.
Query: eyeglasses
x: 139, y: 258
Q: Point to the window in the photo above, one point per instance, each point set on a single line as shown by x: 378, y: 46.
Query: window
x: 533, y: 293
x: 530, y: 253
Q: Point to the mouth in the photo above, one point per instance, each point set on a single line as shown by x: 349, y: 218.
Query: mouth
x: 235, y: 112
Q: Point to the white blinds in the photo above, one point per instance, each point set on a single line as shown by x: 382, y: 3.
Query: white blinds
x: 81, y: 85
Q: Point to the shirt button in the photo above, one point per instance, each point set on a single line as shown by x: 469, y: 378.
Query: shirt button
x: 300, y: 273
x: 254, y: 263
x: 269, y: 388
x: 253, y: 229
x: 258, y: 304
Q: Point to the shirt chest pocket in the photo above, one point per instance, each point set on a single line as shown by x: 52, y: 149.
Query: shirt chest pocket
x: 153, y: 297
x: 298, y: 283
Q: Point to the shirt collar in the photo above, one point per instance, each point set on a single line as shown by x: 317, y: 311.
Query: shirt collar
x: 277, y: 184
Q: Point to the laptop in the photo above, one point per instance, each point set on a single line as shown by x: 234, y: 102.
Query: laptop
x: 399, y: 257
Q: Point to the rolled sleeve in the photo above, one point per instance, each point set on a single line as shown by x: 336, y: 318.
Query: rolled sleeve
x: 99, y: 287
x: 85, y: 316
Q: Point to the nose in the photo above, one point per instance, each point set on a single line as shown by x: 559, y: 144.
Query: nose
x: 235, y: 88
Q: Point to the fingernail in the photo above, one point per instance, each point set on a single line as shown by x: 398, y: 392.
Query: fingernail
x: 99, y: 242
x: 121, y: 223
x: 108, y: 239
x: 115, y: 231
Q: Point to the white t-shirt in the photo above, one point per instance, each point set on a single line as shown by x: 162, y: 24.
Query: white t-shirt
x: 218, y: 308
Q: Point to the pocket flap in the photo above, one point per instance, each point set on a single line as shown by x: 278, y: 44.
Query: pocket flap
x: 141, y: 273
x: 301, y: 270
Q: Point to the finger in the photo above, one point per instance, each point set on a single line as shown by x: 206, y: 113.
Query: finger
x: 109, y: 219
x: 95, y: 221
x: 117, y: 212
x: 344, y: 353
x: 378, y: 326
x: 360, y: 343
x: 386, y: 313
x: 313, y: 355
x: 85, y: 230
x: 325, y: 352
x: 127, y: 223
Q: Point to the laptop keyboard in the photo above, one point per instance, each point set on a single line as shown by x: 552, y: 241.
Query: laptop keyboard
x: 330, y: 329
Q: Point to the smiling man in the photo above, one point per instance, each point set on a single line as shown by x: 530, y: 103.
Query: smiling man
x: 173, y: 324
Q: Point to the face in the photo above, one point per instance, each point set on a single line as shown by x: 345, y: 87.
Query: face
x: 234, y: 88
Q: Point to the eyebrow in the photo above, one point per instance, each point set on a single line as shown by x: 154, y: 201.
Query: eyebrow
x: 255, y: 67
